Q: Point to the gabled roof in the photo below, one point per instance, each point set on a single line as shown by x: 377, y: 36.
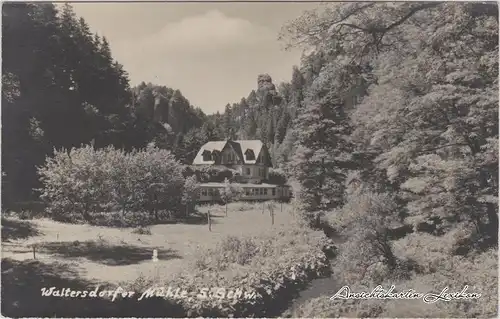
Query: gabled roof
x: 240, y: 146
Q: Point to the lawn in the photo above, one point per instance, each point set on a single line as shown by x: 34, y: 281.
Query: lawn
x: 113, y: 255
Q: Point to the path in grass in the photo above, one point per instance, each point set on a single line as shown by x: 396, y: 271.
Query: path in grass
x: 112, y: 255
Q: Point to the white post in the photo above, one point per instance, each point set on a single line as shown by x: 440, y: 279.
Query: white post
x: 155, y: 255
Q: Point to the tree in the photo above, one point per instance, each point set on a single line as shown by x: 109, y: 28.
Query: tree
x: 56, y: 68
x: 230, y: 192
x: 428, y: 125
x: 228, y: 126
x: 297, y: 86
x: 432, y: 136
x: 76, y: 181
x: 282, y: 127
x: 366, y: 219
x: 251, y: 125
x: 121, y: 181
x: 286, y: 150
x: 191, y: 194
x: 323, y: 145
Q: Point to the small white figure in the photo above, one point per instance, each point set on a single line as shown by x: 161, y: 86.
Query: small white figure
x: 155, y: 255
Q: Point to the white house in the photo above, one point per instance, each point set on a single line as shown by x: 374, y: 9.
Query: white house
x: 251, y: 159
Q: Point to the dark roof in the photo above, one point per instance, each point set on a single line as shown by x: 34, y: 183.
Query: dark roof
x: 238, y: 145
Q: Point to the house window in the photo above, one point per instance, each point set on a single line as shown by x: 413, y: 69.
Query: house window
x: 248, y: 192
x: 248, y: 171
x: 214, y: 155
x: 249, y: 154
x: 204, y: 192
x: 274, y: 191
x: 207, y: 156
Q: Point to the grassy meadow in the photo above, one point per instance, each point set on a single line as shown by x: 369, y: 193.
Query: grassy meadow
x: 82, y: 255
x: 114, y: 255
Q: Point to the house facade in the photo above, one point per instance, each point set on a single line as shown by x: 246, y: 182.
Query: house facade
x: 253, y: 192
x: 251, y: 160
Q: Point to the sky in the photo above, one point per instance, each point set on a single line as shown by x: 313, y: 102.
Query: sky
x: 211, y: 52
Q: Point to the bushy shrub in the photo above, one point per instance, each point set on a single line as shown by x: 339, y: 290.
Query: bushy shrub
x: 478, y: 273
x: 231, y: 250
x: 190, y: 194
x: 87, y: 182
x: 76, y: 181
x: 142, y: 231
x: 277, y: 177
x: 209, y: 173
x: 427, y: 250
x: 244, y: 206
x: 365, y: 221
x: 323, y: 307
x: 231, y: 192
x: 160, y: 181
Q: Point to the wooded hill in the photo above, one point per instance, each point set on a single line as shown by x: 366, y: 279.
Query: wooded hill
x: 62, y: 88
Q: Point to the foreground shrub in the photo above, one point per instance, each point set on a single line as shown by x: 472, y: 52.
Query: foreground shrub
x: 479, y: 273
x: 268, y: 268
x: 190, y: 194
x: 365, y: 221
x: 87, y: 181
x: 76, y: 181
x: 429, y: 251
x: 277, y: 177
x: 210, y: 173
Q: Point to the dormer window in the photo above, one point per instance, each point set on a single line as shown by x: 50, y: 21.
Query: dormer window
x: 215, y: 154
x: 249, y: 155
x: 207, y: 156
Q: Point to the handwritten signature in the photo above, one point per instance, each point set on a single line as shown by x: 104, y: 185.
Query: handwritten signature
x: 380, y: 293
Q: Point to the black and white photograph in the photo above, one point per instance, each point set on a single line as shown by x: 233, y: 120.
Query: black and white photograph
x: 249, y: 159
